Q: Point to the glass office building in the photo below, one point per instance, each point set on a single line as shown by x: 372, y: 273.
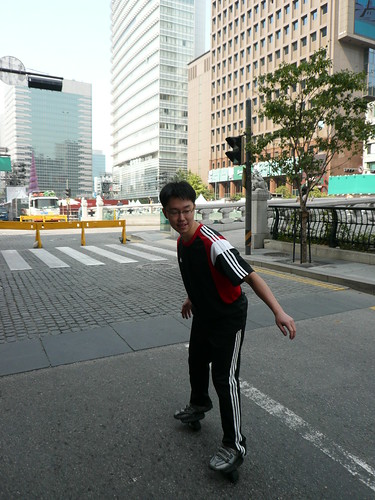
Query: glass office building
x: 152, y: 43
x: 54, y: 128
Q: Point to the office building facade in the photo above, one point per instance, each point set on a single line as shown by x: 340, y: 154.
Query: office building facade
x: 152, y: 43
x: 53, y: 129
x: 199, y: 115
x: 251, y: 38
x: 98, y: 167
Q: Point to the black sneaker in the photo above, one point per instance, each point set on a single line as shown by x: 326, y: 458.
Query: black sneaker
x: 226, y: 459
x: 191, y: 413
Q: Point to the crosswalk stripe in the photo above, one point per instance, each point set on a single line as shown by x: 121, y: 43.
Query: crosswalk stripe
x: 155, y: 249
x: 110, y: 255
x: 137, y: 253
x: 15, y: 261
x: 80, y: 257
x: 47, y: 258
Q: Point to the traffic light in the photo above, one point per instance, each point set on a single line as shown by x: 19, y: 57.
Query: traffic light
x: 68, y: 192
x: 235, y: 155
x: 45, y: 83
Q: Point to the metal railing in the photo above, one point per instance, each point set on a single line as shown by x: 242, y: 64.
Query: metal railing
x: 347, y: 227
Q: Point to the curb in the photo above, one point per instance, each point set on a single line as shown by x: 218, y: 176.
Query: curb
x: 361, y: 286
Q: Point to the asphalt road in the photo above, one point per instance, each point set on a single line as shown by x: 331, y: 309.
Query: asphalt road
x: 104, y: 428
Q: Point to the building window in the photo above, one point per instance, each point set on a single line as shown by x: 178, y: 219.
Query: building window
x: 324, y: 9
x: 314, y: 14
x: 287, y: 9
x: 294, y: 46
x: 313, y: 36
x: 304, y: 41
x: 323, y: 32
x: 295, y: 25
x: 304, y: 20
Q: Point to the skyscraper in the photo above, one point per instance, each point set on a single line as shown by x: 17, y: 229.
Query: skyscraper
x: 152, y: 43
x: 55, y: 129
x: 252, y: 38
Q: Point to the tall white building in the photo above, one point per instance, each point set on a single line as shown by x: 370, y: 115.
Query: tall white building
x: 152, y: 43
x: 54, y: 130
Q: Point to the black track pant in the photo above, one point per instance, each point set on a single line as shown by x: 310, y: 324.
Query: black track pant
x: 222, y: 348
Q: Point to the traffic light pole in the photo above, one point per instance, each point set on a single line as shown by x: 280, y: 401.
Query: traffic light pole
x: 248, y: 184
x: 38, y: 80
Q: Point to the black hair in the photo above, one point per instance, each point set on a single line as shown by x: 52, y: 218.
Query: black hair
x: 180, y: 189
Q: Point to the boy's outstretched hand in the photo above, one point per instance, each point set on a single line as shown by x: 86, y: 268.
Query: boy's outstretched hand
x: 286, y: 324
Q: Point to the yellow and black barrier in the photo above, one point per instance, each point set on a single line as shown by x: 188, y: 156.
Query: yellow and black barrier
x: 38, y: 226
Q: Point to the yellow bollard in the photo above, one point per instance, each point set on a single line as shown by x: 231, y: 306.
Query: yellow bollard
x: 123, y: 234
x: 38, y: 241
x: 83, y: 239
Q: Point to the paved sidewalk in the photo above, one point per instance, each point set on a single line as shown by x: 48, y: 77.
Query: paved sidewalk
x: 165, y: 329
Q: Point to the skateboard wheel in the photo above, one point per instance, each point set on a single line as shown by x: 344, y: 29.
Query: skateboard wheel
x: 233, y: 476
x: 195, y: 426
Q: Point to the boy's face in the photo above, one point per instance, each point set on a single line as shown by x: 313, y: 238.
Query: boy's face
x: 180, y: 214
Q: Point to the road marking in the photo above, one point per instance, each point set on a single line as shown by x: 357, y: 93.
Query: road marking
x: 137, y: 253
x: 164, y: 251
x: 110, y: 255
x: 14, y: 260
x: 80, y: 257
x: 47, y: 258
x: 373, y: 308
x: 356, y: 466
x: 307, y: 281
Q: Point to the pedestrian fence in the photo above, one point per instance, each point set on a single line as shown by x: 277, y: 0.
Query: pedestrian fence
x: 350, y: 228
x: 82, y: 225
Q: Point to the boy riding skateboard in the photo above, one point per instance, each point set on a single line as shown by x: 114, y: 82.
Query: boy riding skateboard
x: 213, y: 271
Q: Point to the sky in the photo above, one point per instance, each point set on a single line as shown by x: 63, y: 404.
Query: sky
x: 69, y: 39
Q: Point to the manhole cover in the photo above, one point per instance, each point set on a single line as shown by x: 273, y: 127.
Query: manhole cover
x: 274, y: 254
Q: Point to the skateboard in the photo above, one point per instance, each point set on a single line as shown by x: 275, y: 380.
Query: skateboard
x: 194, y: 421
x: 232, y: 474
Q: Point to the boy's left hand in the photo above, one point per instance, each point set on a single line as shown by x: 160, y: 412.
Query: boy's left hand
x: 286, y: 324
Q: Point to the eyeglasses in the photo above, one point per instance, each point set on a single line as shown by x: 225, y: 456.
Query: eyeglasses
x: 175, y: 213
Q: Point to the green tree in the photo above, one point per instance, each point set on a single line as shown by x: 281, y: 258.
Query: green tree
x: 284, y: 191
x: 195, y: 181
x: 316, y: 115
